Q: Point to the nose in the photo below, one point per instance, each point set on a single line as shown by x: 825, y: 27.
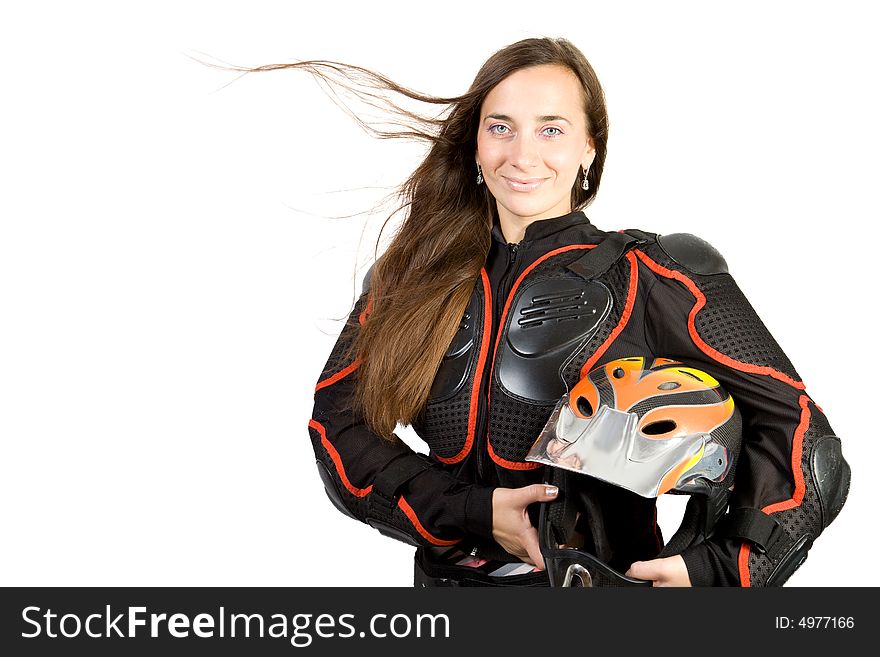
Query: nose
x: 524, y: 153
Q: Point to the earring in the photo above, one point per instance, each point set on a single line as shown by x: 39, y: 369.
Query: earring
x: 479, y: 175
x: 586, y: 185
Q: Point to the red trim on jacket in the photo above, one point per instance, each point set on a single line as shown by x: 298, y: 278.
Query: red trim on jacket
x: 797, y: 449
x: 341, y: 374
x: 511, y: 465
x: 337, y: 461
x: 692, y: 329
x: 518, y: 465
x: 478, y: 378
x: 624, y: 316
x: 743, y: 563
x: 363, y: 316
x: 428, y: 536
x: 797, y: 497
x: 363, y: 492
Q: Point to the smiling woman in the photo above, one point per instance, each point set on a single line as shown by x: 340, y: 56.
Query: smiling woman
x: 495, y: 298
x: 528, y: 152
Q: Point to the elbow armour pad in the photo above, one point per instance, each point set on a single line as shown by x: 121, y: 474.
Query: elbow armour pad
x: 392, y: 532
x: 383, y: 527
x: 831, y: 475
x: 330, y: 489
x: 780, y: 542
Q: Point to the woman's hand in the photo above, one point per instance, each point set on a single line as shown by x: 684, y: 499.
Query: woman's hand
x: 670, y: 571
x: 511, y: 526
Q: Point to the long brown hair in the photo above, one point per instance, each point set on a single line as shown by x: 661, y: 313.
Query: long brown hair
x: 421, y: 285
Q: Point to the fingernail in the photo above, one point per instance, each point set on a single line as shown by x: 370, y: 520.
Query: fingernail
x: 551, y: 490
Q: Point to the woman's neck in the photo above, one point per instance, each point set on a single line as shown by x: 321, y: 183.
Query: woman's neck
x: 514, y: 227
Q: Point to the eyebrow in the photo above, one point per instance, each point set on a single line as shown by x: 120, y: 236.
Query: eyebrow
x: 549, y: 117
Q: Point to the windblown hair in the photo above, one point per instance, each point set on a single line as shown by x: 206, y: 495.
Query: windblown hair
x: 421, y: 285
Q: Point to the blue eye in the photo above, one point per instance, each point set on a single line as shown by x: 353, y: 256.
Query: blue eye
x: 558, y: 131
x: 497, y: 125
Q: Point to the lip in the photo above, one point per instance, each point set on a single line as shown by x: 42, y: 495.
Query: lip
x: 523, y: 184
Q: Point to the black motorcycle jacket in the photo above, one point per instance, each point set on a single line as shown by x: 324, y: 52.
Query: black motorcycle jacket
x: 568, y: 298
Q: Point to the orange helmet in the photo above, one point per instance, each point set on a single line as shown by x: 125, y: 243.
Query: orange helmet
x: 651, y: 431
x: 663, y: 428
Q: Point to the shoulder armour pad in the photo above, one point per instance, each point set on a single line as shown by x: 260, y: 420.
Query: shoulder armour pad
x: 692, y: 253
x: 366, y: 284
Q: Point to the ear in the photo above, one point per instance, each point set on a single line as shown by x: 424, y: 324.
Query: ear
x: 589, y: 154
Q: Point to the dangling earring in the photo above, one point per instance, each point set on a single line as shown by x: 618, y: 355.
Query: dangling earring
x: 586, y: 185
x: 479, y: 175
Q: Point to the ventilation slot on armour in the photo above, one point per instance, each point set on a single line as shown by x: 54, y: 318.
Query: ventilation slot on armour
x: 554, y: 308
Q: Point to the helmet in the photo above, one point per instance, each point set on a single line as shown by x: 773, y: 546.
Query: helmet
x: 666, y: 428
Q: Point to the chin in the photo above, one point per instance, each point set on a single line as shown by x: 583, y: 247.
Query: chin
x: 522, y: 207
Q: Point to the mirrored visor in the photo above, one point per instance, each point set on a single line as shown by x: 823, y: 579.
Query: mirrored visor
x: 609, y: 446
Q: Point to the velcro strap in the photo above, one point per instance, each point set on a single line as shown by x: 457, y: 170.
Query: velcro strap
x: 642, y: 236
x: 601, y: 258
x: 753, y: 525
x: 383, y: 496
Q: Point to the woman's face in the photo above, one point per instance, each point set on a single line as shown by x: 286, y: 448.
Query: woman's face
x: 531, y: 142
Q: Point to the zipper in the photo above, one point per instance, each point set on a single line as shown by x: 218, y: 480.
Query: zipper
x: 481, y: 435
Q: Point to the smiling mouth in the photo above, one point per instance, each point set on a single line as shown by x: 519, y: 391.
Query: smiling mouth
x: 526, y: 185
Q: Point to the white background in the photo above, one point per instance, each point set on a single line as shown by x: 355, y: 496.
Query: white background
x: 170, y: 281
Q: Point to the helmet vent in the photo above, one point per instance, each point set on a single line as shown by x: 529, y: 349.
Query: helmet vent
x: 691, y: 374
x: 584, y: 406
x: 669, y: 385
x: 659, y: 427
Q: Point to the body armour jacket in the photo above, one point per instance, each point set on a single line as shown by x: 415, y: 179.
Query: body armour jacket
x: 545, y: 311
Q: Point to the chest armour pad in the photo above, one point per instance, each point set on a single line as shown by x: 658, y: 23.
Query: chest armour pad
x: 444, y: 421
x: 457, y: 360
x: 550, y: 321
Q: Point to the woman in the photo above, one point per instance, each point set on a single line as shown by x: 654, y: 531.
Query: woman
x: 468, y: 331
